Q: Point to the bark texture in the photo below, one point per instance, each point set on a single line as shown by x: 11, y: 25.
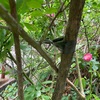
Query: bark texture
x: 75, y: 13
x: 18, y: 52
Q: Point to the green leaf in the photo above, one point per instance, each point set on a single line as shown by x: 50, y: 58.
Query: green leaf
x: 28, y: 97
x: 38, y: 86
x: 22, y: 6
x: 73, y: 65
x: 37, y: 13
x: 95, y: 67
x: 30, y: 88
x: 47, y: 82
x: 50, y: 10
x: 45, y: 97
x: 76, y: 82
x: 5, y: 3
x: 95, y: 64
x: 3, y: 55
x: 19, y: 3
x: 34, y: 3
x: 83, y: 83
x: 9, y: 44
x: 87, y: 92
x: 23, y: 46
x: 0, y: 71
x: 64, y: 98
x: 2, y: 36
x: 29, y: 26
x: 38, y: 93
x: 96, y: 97
x: 46, y: 89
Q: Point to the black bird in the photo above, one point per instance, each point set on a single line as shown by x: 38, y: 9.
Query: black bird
x: 58, y: 42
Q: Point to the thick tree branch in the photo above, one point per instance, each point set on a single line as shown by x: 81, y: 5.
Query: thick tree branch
x: 15, y: 27
x: 74, y: 19
x: 18, y: 52
x: 75, y: 13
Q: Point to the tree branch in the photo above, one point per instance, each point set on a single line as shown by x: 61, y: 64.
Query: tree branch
x: 73, y: 86
x: 86, y: 35
x: 4, y: 27
x: 51, y: 24
x: 18, y: 52
x: 75, y: 13
x: 15, y: 27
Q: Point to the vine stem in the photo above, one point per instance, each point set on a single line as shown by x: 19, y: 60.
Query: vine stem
x: 79, y: 76
x: 91, y: 81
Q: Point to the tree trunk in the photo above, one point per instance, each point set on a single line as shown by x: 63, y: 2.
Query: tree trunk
x: 75, y: 13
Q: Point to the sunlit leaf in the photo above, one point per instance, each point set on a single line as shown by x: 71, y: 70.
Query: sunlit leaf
x: 50, y: 10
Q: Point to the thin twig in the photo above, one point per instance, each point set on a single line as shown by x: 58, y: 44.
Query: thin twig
x: 51, y: 24
x: 4, y: 27
x: 86, y: 35
x: 74, y: 87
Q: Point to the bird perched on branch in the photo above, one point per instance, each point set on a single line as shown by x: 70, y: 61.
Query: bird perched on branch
x: 58, y: 42
x: 66, y: 47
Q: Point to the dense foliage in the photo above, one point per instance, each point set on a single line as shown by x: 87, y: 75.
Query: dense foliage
x: 36, y: 18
